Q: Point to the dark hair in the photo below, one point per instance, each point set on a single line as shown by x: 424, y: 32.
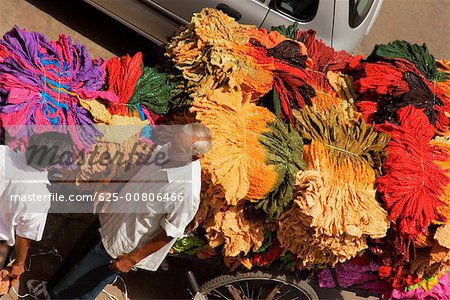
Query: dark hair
x: 49, y: 149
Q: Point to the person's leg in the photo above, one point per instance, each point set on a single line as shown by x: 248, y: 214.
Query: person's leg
x: 87, y: 278
x: 88, y: 240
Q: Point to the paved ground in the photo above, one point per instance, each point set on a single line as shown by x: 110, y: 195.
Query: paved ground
x: 414, y: 20
x: 418, y: 21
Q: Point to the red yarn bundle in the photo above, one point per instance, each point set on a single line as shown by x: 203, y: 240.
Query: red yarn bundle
x: 412, y: 182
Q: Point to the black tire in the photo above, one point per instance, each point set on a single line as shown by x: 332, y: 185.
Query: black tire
x: 225, y: 280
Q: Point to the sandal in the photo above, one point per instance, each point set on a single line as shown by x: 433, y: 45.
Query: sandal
x: 37, y: 289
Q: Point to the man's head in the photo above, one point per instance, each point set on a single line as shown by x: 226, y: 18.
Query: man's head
x: 49, y: 149
x: 194, y: 139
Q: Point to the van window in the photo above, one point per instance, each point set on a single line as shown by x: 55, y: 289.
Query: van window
x: 359, y: 9
x: 302, y: 10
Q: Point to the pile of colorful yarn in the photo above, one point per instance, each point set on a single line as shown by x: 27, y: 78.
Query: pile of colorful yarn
x: 321, y: 160
x: 55, y: 85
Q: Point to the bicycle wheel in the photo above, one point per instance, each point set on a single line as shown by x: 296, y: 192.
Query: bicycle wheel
x: 258, y: 286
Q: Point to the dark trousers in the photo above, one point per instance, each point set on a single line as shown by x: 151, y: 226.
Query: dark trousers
x: 84, y: 272
x: 87, y: 278
x: 88, y: 239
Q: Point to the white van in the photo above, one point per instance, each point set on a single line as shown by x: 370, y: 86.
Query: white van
x: 339, y: 23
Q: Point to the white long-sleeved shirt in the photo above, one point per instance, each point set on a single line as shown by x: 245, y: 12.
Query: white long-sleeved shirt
x: 25, y: 218
x: 129, y: 225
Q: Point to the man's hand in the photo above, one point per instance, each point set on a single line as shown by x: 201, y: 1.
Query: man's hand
x: 15, y: 272
x: 123, y: 264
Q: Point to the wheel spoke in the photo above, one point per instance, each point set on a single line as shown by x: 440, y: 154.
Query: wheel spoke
x: 284, y: 294
x: 241, y: 289
x: 260, y: 292
x: 221, y: 295
x: 217, y: 295
x: 234, y: 292
x: 273, y: 293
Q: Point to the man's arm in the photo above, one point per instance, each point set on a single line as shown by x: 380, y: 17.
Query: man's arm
x: 21, y: 250
x: 125, y: 263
